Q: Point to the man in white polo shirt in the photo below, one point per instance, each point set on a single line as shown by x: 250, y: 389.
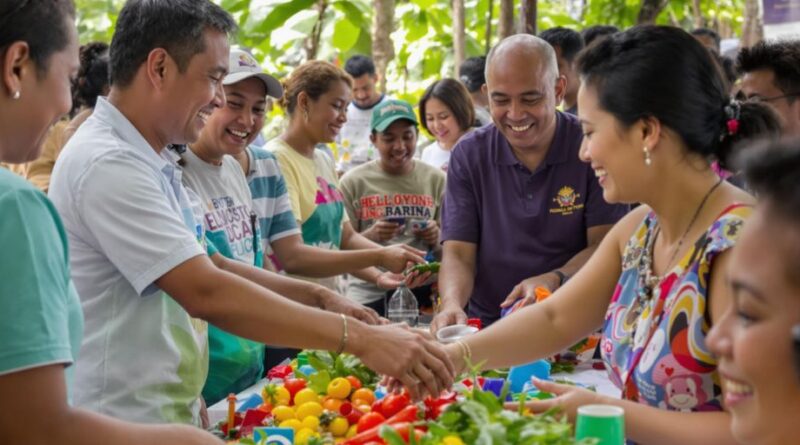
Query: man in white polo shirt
x: 138, y: 264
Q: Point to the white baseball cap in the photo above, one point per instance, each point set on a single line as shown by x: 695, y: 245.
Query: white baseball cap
x: 242, y: 65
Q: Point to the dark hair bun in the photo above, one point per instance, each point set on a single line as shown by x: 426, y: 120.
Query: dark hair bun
x: 665, y: 73
x: 92, y: 79
x: 753, y: 120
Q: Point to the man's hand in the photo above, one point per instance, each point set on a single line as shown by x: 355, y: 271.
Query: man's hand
x: 410, y: 356
x: 382, y: 231
x: 333, y: 302
x: 396, y: 258
x: 448, y: 316
x: 430, y: 234
x: 526, y: 290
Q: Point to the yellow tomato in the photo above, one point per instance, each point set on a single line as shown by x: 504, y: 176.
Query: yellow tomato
x: 282, y: 413
x: 339, y: 388
x: 305, y: 395
x: 339, y: 427
x: 352, y: 431
x: 311, y: 422
x: 294, y: 424
x: 363, y: 396
x: 282, y: 396
x: 302, y: 436
x: 452, y: 440
x: 308, y: 409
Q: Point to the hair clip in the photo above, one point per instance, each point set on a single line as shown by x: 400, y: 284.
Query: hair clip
x: 732, y: 112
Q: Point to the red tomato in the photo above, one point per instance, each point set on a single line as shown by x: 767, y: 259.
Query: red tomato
x: 354, y: 382
x: 294, y: 385
x: 393, y: 403
x: 369, y: 421
x: 377, y: 406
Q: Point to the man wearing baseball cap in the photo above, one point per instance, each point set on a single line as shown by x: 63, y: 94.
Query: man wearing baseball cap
x: 395, y: 198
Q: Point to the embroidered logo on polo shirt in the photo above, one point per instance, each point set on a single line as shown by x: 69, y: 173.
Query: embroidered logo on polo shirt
x: 566, y: 199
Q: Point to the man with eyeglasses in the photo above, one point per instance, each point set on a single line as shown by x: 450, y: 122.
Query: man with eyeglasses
x: 772, y: 75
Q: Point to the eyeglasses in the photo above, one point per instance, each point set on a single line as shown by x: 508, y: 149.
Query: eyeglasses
x: 770, y: 99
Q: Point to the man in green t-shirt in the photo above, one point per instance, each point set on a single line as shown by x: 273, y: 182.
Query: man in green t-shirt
x: 393, y: 199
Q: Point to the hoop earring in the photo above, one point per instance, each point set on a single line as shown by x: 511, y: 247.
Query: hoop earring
x: 648, y: 161
x: 16, y: 95
x: 305, y: 115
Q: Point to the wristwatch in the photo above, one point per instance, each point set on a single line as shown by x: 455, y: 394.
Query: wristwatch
x: 562, y: 277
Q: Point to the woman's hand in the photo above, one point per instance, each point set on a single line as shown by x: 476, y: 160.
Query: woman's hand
x: 567, y: 397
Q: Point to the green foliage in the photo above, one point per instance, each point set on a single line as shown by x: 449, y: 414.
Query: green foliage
x: 276, y: 30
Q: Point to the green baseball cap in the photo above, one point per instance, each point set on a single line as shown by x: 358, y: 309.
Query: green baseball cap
x: 387, y: 112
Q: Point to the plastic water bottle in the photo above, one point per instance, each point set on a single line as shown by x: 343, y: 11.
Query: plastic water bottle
x: 403, y: 307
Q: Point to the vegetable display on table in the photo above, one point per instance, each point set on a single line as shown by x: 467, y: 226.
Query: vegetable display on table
x: 340, y: 402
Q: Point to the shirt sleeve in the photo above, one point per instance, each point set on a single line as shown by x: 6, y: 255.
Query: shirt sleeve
x: 131, y: 220
x: 460, y: 217
x: 283, y: 221
x: 292, y: 186
x: 598, y: 211
x: 34, y: 290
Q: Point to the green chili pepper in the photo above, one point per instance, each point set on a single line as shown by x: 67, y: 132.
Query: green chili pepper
x: 432, y: 267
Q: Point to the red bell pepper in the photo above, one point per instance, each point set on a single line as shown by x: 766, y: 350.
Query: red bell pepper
x: 435, y: 407
x: 405, y: 416
x: 280, y: 372
x: 404, y: 429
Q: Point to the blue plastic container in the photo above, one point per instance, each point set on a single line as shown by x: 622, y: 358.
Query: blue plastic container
x: 518, y: 376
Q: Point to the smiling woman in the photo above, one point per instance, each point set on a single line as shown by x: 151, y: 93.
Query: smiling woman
x: 447, y: 113
x: 316, y: 95
x: 753, y: 339
x: 41, y: 325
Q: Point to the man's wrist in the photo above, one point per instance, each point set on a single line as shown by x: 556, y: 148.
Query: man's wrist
x: 451, y: 304
x: 560, y: 276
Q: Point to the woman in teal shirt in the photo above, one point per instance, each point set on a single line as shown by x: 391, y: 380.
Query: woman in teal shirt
x: 41, y: 320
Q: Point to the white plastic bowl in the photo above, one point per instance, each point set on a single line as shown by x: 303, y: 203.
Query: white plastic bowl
x: 454, y: 333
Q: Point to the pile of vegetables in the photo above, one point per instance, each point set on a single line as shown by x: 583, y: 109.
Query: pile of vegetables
x: 339, y: 403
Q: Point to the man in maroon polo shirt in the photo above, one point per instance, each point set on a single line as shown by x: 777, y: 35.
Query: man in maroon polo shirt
x: 521, y: 210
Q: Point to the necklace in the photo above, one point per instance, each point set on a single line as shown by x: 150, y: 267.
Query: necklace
x: 648, y: 279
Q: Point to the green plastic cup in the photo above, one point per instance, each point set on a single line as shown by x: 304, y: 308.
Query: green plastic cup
x: 604, y: 422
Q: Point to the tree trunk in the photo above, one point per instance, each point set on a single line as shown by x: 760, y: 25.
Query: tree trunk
x: 312, y: 42
x: 488, y: 38
x: 506, y: 26
x: 382, y: 46
x: 528, y: 12
x: 753, y: 27
x: 459, y: 35
x: 699, y: 20
x: 650, y: 10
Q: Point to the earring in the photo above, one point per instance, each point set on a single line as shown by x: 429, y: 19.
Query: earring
x: 648, y: 161
x: 15, y: 96
x: 305, y: 115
